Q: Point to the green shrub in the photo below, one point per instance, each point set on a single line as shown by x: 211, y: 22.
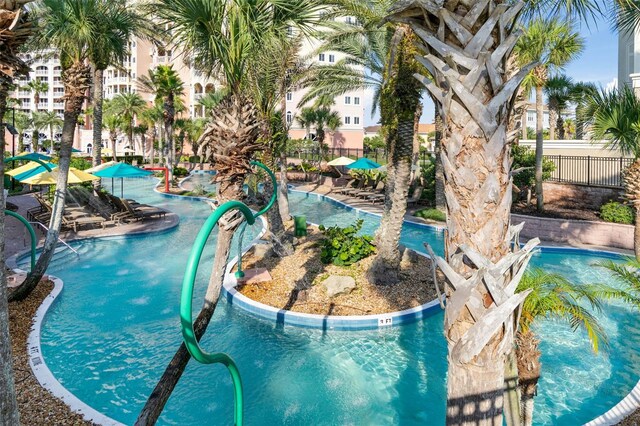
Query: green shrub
x: 428, y: 180
x: 525, y: 157
x: 617, y: 213
x: 343, y: 246
x: 432, y: 214
x: 180, y: 172
x: 80, y: 163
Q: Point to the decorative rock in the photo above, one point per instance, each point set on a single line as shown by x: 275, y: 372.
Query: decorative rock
x: 255, y: 276
x: 15, y: 280
x: 339, y: 284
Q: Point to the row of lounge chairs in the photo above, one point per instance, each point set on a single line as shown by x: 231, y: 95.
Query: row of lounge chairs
x: 374, y: 191
x: 85, y: 208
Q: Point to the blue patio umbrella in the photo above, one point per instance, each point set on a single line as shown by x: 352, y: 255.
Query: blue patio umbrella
x: 33, y: 172
x: 35, y: 156
x: 122, y: 170
x: 363, y: 164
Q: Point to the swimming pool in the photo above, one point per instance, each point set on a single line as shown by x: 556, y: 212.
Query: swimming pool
x: 111, y: 332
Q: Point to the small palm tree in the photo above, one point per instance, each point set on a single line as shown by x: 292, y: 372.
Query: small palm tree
x: 558, y: 90
x: 552, y: 44
x: 627, y: 274
x: 211, y: 100
x: 37, y: 87
x: 552, y: 296
x: 150, y: 117
x: 48, y: 120
x: 128, y: 106
x: 22, y: 124
x: 113, y: 123
x: 615, y: 116
x: 168, y: 87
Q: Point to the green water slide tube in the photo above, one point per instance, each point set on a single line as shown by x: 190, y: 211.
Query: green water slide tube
x: 186, y: 298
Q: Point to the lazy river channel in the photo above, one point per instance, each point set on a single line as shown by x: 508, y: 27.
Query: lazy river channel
x: 115, y: 326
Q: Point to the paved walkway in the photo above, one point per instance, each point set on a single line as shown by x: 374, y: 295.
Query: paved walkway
x: 17, y: 237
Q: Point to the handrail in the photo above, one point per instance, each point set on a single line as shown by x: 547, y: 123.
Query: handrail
x: 32, y: 233
x: 59, y: 239
x: 186, y: 297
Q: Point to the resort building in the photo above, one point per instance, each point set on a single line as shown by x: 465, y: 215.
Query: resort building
x: 629, y: 59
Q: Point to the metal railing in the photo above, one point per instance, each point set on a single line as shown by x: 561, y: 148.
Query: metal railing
x: 588, y: 170
x: 45, y: 229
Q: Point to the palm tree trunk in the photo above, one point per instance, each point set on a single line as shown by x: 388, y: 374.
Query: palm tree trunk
x: 283, y: 188
x: 561, y: 129
x: 169, y: 116
x: 441, y: 203
x: 636, y: 233
x: 539, y: 149
x: 415, y: 162
x: 113, y: 147
x: 400, y: 145
x: 8, y: 404
x: 511, y: 392
x: 77, y: 82
x: 529, y: 366
x: 98, y: 96
x: 21, y: 142
x: 281, y: 241
x: 553, y: 121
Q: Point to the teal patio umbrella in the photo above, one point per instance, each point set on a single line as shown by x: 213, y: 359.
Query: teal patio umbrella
x: 122, y: 170
x: 34, y: 156
x: 33, y: 172
x: 363, y: 164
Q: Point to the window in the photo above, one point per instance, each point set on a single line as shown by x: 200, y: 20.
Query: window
x: 289, y: 117
x: 332, y: 58
x: 321, y: 57
x: 347, y: 120
x: 347, y: 100
x: 289, y: 96
x: 356, y: 100
x: 356, y: 120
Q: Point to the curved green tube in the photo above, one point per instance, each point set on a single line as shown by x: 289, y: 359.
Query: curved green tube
x: 186, y: 297
x: 31, y: 232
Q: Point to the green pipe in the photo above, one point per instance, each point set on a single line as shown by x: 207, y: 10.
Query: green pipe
x: 274, y: 182
x: 31, y: 232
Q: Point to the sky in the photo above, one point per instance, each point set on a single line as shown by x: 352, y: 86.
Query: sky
x: 598, y: 63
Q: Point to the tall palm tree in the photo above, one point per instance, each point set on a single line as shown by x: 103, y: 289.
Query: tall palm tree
x: 128, y: 106
x: 468, y: 46
x: 66, y: 26
x: 37, y: 87
x: 552, y: 44
x: 22, y: 124
x: 558, y: 90
x: 110, y: 46
x: 113, y: 123
x: 15, y: 29
x: 48, y: 120
x: 222, y: 38
x: 581, y: 93
x: 551, y: 296
x: 615, y: 117
x: 168, y: 87
x: 150, y: 117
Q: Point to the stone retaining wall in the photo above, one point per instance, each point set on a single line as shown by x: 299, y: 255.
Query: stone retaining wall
x: 588, y: 196
x: 576, y: 231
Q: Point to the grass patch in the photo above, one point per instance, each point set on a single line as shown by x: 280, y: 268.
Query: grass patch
x: 432, y: 214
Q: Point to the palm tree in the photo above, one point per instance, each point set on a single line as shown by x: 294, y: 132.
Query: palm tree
x: 48, y: 120
x: 66, y: 26
x: 167, y: 86
x: 222, y: 38
x: 467, y: 54
x: 615, y: 116
x: 22, y: 124
x: 558, y: 90
x: 552, y: 44
x: 15, y: 29
x: 150, y: 117
x: 113, y: 123
x: 551, y: 296
x: 109, y: 46
x: 581, y: 93
x: 128, y: 106
x: 627, y: 275
x: 211, y: 100
x: 37, y: 87
x: 307, y: 118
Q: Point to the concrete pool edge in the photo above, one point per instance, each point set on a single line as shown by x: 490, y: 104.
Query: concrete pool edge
x: 41, y: 371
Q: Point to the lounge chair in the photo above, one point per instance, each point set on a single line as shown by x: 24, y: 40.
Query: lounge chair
x: 378, y: 189
x: 416, y: 196
x: 352, y: 184
x: 143, y: 211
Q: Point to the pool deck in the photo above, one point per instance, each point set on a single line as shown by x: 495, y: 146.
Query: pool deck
x: 378, y: 209
x: 17, y: 237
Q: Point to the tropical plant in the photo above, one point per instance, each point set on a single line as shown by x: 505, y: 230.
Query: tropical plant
x: 627, y: 276
x: 616, y: 212
x: 210, y: 100
x: 552, y: 44
x: 558, y: 90
x: 37, y: 87
x: 168, y: 87
x: 524, y: 162
x: 374, y: 142
x: 343, y: 246
x: 49, y: 120
x: 113, y: 123
x: 581, y: 93
x: 222, y: 38
x: 615, y: 117
x: 551, y: 296
x: 15, y: 29
x: 66, y: 26
x: 112, y: 33
x: 474, y: 85
x: 22, y: 124
x: 150, y: 118
x: 128, y: 106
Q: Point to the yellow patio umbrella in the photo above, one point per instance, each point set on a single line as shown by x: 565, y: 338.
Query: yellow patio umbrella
x: 51, y: 178
x: 101, y: 166
x: 24, y: 168
x: 106, y: 151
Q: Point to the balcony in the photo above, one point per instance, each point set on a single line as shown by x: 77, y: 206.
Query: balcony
x: 42, y: 72
x: 24, y: 93
x: 58, y: 105
x: 43, y: 105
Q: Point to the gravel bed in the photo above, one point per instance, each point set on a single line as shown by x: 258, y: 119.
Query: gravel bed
x: 296, y: 279
x: 37, y: 406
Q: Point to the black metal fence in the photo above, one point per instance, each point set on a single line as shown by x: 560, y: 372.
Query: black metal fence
x: 377, y: 155
x: 588, y: 170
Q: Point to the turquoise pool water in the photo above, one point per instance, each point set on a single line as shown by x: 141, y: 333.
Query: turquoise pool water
x: 115, y: 326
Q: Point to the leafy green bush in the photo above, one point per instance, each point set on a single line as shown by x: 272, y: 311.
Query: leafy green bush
x: 343, y: 246
x: 180, y: 172
x: 616, y: 212
x: 428, y: 180
x: 374, y: 142
x: 80, y: 163
x: 523, y: 156
x: 432, y: 214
